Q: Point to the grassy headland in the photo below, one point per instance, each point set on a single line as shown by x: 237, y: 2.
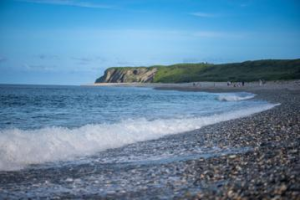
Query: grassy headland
x: 245, y: 71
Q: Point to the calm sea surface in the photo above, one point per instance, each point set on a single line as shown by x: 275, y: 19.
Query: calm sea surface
x: 35, y: 107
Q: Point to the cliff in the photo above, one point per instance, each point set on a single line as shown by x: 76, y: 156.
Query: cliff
x: 193, y: 72
x: 128, y: 75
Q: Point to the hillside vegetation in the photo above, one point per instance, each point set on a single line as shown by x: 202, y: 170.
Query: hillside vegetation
x: 245, y: 71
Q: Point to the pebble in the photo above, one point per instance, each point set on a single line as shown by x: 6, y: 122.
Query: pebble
x: 267, y: 168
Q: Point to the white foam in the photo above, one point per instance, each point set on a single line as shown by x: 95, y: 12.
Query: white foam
x: 20, y: 148
x: 235, y: 96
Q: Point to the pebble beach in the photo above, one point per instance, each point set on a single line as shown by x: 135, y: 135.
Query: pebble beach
x: 266, y: 164
x: 255, y: 157
x: 271, y: 169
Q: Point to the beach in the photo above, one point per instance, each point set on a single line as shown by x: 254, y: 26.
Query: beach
x: 268, y: 169
x: 271, y: 169
x: 255, y: 157
x: 132, y: 99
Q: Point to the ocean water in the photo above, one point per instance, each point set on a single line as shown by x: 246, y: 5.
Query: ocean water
x: 89, y: 142
x: 46, y: 125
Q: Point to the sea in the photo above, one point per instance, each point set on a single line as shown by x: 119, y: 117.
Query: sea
x: 47, y: 129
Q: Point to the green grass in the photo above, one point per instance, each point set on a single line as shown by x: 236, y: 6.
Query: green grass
x: 245, y: 71
x: 180, y: 73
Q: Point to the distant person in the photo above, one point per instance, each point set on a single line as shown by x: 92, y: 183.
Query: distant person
x: 260, y: 82
x: 243, y: 83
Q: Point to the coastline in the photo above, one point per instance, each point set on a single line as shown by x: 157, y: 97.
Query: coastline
x: 255, y: 157
x: 270, y: 169
x: 209, y: 86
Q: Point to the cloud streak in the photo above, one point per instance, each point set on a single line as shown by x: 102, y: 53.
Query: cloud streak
x: 74, y: 3
x: 38, y: 67
x: 219, y: 34
x: 203, y: 15
x: 89, y: 60
x: 47, y: 57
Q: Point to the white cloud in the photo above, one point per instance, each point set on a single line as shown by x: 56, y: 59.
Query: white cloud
x: 203, y: 14
x: 47, y: 57
x: 219, y: 34
x: 89, y: 60
x: 38, y: 67
x: 208, y: 34
x: 76, y: 3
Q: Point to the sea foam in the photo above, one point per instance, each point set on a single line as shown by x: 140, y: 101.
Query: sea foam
x: 235, y: 96
x: 20, y: 148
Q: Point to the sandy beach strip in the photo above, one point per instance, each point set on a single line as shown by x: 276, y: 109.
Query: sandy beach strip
x: 291, y: 85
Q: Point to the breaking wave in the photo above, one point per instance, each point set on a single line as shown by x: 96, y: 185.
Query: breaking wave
x: 20, y: 148
x: 235, y: 96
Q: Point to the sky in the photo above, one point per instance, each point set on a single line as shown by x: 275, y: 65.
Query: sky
x: 72, y: 42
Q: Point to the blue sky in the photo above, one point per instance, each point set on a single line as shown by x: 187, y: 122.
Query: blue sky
x: 74, y: 41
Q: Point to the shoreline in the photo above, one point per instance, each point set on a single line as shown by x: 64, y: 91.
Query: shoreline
x: 210, y: 86
x: 269, y: 170
x: 254, y: 157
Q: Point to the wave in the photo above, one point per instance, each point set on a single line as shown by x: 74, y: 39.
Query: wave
x: 235, y: 96
x: 20, y: 148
